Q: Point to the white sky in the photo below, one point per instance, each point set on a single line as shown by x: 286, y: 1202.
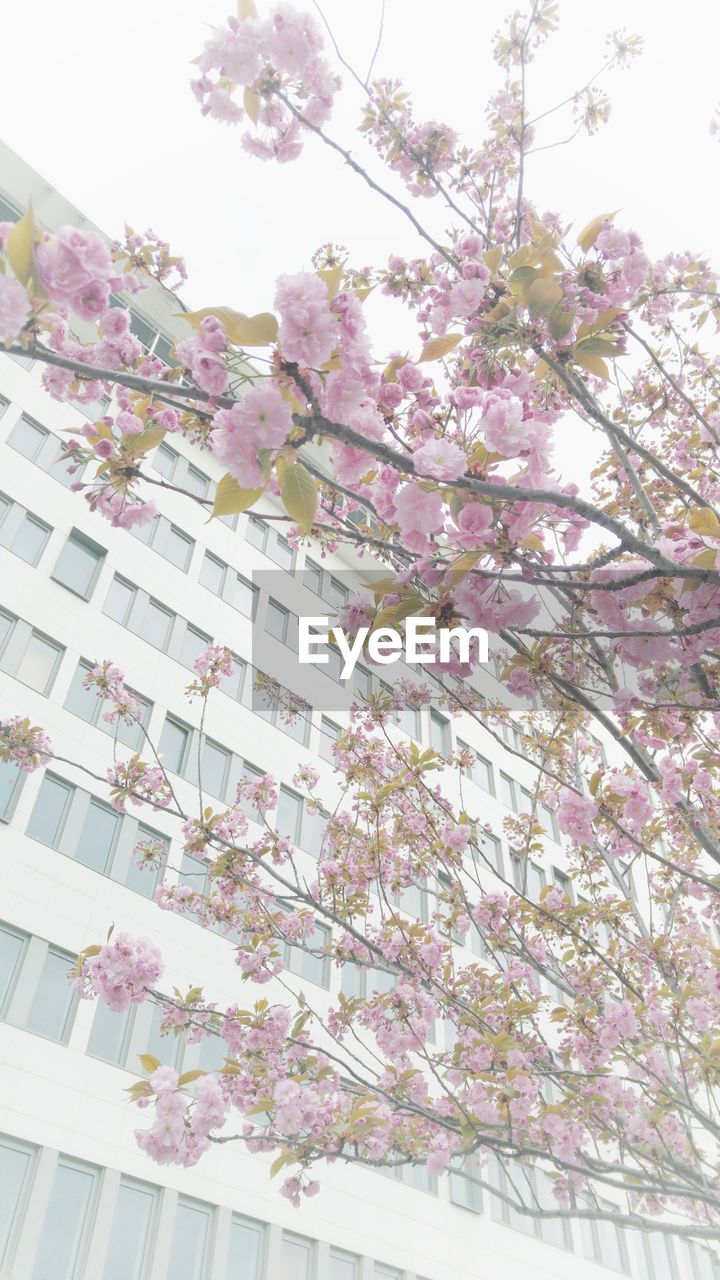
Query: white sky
x: 96, y: 97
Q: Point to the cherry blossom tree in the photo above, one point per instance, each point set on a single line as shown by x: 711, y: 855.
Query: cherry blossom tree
x: 583, y: 1026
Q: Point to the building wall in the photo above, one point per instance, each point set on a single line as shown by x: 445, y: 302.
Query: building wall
x: 68, y: 1125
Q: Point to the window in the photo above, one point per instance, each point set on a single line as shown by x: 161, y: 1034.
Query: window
x: 28, y: 438
x: 143, y: 878
x: 173, y: 746
x: 79, y: 565
x: 276, y: 620
x: 110, y: 1033
x: 244, y: 596
x: 314, y: 826
x: 255, y: 532
x: 464, y: 1189
x: 189, y: 1241
x: 528, y: 877
x: 245, y: 1251
x: 166, y: 1047
x: 30, y: 539
x: 97, y: 837
x: 280, y: 551
x: 156, y: 624
x: 605, y: 1243
x: 343, y: 1266
x: 39, y: 662
x: 165, y: 461
x: 66, y: 1222
x: 212, y: 573
x: 234, y: 684
x: 194, y: 873
x: 86, y: 704
x: 313, y: 968
x: 9, y: 778
x: 295, y: 1258
x: 130, y: 1231
x: 196, y: 482
x: 54, y: 998
x: 51, y: 805
x: 276, y: 705
x: 177, y: 548
x: 481, y: 773
x: 12, y: 945
x: 439, y: 733
x: 15, y: 1164
x: 6, y: 625
x: 386, y: 1273
x: 336, y: 593
x: 329, y: 734
x: 194, y: 643
x: 289, y: 814
x: 214, y: 768
x: 313, y: 576
x: 507, y: 791
x: 119, y: 600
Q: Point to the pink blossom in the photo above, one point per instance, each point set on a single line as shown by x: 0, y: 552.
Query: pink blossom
x: 308, y: 331
x: 14, y: 308
x: 441, y: 459
x: 418, y: 513
x: 72, y: 260
x: 260, y: 420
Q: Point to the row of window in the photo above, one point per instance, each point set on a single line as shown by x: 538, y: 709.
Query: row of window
x: 35, y: 994
x: 104, y: 1226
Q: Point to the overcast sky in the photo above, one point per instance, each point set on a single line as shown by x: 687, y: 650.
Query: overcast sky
x: 96, y: 97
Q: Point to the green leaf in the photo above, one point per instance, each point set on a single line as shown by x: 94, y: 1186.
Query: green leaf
x: 242, y: 330
x: 560, y: 322
x: 704, y: 521
x: 285, y: 1157
x: 149, y: 1063
x: 436, y: 348
x: 332, y: 278
x: 20, y: 246
x: 230, y: 498
x: 590, y: 233
x: 252, y: 103
x: 149, y: 438
x: 543, y: 296
x: 298, y: 490
x: 188, y: 1076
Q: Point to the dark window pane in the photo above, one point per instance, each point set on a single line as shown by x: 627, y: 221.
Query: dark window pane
x: 255, y: 532
x: 77, y: 566
x: 30, y: 539
x: 439, y: 734
x: 196, y: 482
x: 280, y: 551
x: 15, y: 1164
x: 28, y: 438
x: 6, y: 625
x: 189, y: 1243
x: 65, y: 1223
x: 214, y: 765
x: 96, y: 839
x: 193, y: 644
x: 173, y: 745
x: 108, y: 1035
x: 9, y: 774
x: 46, y: 818
x: 38, y: 663
x: 54, y: 997
x: 276, y: 620
x: 134, y: 1210
x: 156, y: 625
x: 245, y: 1251
x: 164, y: 461
x: 211, y: 573
x: 11, y: 947
x: 178, y: 548
x: 243, y: 597
x: 119, y: 599
x: 81, y: 701
x: 288, y: 814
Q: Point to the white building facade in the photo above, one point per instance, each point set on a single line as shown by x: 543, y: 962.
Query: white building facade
x: 78, y: 1199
